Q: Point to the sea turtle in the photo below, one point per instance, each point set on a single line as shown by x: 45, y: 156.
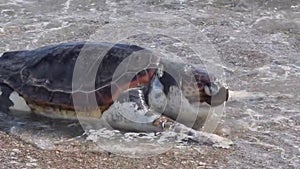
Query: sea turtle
x: 44, y: 77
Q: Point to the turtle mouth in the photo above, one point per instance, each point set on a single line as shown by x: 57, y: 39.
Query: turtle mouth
x: 206, y: 89
x: 215, y: 97
x: 210, y: 94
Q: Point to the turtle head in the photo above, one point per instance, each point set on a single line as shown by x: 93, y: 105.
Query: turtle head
x: 197, y: 84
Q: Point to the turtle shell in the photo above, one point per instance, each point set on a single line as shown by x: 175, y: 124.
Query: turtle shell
x: 54, y: 75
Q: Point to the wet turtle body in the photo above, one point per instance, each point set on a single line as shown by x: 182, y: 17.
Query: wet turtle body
x: 45, y: 78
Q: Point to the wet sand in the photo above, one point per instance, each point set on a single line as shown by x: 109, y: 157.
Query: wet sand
x: 15, y: 153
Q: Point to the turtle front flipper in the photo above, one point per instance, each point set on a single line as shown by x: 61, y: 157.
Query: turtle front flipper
x: 5, y: 102
x: 131, y: 113
x: 124, y: 117
x: 135, y: 121
x: 200, y: 137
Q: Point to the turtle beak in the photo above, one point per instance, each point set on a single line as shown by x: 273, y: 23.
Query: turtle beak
x: 216, y: 95
x: 211, y: 90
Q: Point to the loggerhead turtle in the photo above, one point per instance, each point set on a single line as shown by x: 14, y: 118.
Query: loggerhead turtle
x: 44, y: 76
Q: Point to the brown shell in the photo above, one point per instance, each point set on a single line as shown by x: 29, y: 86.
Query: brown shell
x: 45, y: 76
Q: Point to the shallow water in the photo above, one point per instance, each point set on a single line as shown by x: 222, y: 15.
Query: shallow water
x: 257, y: 44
